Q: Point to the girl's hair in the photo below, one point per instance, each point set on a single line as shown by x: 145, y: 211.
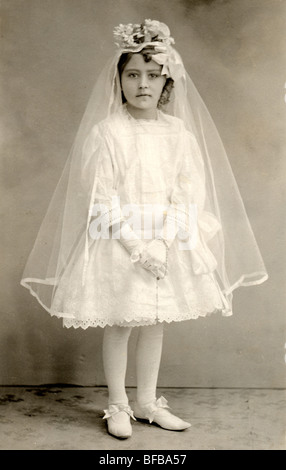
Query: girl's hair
x: 147, y: 53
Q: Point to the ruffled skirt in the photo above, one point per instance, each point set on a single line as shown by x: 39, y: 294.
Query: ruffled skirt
x: 115, y: 291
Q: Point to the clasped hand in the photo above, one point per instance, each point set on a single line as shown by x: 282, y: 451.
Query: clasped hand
x: 153, y: 257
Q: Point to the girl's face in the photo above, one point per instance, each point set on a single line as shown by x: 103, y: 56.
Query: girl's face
x: 142, y: 85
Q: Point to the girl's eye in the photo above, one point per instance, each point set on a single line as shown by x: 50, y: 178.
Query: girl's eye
x: 136, y: 75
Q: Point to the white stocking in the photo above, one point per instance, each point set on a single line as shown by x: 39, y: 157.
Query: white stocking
x: 115, y: 347
x: 148, y: 358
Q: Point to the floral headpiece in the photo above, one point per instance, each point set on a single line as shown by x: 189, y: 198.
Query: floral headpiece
x: 133, y: 37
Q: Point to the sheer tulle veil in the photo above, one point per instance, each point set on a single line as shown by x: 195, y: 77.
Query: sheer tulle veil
x: 239, y: 261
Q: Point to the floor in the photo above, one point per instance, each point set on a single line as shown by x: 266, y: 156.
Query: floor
x: 70, y: 418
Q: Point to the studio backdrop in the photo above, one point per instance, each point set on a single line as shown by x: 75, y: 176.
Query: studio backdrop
x: 51, y: 52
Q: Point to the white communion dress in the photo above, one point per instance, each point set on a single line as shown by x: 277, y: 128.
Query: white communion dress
x: 147, y: 164
x: 153, y: 167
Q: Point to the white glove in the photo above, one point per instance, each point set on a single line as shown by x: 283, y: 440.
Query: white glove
x: 128, y: 238
x: 154, y: 257
x: 169, y: 231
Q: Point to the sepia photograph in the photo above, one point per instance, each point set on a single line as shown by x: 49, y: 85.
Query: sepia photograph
x: 143, y: 228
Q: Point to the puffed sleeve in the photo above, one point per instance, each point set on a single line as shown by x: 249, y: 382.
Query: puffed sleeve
x: 190, y: 183
x: 99, y: 172
x: 188, y: 208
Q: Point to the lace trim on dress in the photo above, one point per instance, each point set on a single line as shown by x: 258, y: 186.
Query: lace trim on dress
x: 194, y: 315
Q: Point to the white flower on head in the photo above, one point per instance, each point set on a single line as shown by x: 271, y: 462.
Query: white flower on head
x: 152, y: 27
x: 164, y: 30
x: 123, y: 34
x: 156, y: 28
x: 130, y: 35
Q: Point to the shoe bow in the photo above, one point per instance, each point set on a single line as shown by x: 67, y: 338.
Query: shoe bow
x: 113, y: 409
x: 152, y: 408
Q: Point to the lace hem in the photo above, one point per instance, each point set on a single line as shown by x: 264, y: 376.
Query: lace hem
x: 194, y: 315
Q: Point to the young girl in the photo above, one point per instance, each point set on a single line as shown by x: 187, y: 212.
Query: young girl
x: 146, y: 224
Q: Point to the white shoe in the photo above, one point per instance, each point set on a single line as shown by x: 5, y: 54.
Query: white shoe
x: 156, y: 412
x: 118, y: 420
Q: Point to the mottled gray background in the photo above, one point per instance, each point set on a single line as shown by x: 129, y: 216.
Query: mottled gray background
x: 51, y: 51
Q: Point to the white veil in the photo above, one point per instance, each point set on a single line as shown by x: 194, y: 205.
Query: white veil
x: 239, y: 262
